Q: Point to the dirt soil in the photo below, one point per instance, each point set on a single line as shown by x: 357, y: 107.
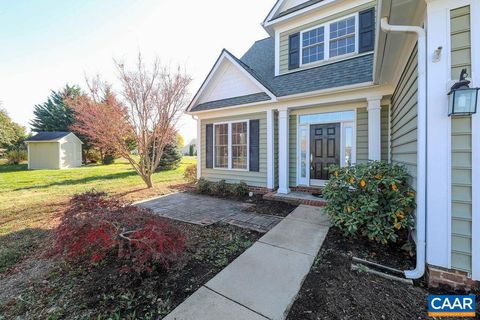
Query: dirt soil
x: 262, y: 206
x: 104, y: 292
x: 332, y: 291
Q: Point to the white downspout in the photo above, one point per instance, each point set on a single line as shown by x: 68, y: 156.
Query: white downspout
x: 421, y: 143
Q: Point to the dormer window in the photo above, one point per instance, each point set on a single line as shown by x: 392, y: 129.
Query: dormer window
x: 326, y: 40
x: 329, y: 40
x: 313, y: 45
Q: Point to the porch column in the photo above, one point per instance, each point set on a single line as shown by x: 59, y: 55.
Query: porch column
x: 374, y: 128
x: 283, y: 151
x: 270, y: 148
x: 199, y: 148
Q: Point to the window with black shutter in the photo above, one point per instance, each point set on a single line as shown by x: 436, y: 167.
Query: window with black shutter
x: 294, y: 51
x: 366, y: 37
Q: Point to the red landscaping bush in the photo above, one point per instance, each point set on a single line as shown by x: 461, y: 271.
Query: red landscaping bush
x: 96, y: 228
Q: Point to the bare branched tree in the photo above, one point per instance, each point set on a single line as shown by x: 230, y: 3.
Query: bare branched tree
x: 150, y: 103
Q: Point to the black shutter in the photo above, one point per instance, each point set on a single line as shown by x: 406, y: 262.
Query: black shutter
x: 209, y: 146
x: 254, y: 145
x: 294, y: 51
x: 366, y: 38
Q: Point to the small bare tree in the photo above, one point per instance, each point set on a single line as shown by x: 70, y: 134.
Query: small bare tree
x: 152, y: 99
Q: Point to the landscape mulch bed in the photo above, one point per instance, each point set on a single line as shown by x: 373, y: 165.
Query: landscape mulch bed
x: 104, y: 292
x: 262, y: 206
x: 332, y: 291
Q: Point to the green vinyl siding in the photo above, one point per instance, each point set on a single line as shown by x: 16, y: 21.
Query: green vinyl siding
x: 403, y: 120
x: 461, y: 143
x: 460, y: 40
x: 284, y: 36
x: 258, y: 179
x: 384, y: 133
x: 362, y: 135
x: 292, y: 177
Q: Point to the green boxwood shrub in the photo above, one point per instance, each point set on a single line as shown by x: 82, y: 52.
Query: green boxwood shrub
x: 371, y: 200
x: 222, y: 188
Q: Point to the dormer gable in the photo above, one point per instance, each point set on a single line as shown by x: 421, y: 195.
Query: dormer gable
x: 312, y: 33
x: 230, y: 79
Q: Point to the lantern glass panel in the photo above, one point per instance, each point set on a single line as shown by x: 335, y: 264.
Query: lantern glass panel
x: 463, y: 101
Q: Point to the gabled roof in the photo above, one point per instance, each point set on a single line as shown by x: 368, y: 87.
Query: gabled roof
x: 48, y: 136
x: 247, y: 71
x: 279, y: 11
x: 259, y: 62
x: 295, y: 8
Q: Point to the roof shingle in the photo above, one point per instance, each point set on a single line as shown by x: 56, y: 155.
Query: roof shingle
x: 48, y: 136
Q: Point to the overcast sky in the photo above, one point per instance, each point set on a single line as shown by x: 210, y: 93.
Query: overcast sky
x: 45, y: 44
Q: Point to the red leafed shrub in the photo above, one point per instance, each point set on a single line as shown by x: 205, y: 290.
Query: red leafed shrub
x: 96, y: 228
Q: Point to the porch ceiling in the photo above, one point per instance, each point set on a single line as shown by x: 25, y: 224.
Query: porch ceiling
x: 394, y: 48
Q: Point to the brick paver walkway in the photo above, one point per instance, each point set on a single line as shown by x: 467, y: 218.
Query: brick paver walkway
x: 205, y: 210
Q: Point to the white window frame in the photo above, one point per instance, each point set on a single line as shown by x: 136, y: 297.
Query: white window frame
x: 326, y: 40
x: 306, y: 181
x: 229, y: 148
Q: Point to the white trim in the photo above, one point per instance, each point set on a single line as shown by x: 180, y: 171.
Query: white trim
x: 475, y: 48
x: 266, y: 23
x: 349, y: 93
x: 277, y: 53
x: 343, y: 124
x: 283, y: 151
x: 300, y: 180
x: 229, y: 146
x: 438, y: 146
x: 28, y: 154
x: 270, y: 149
x: 374, y: 109
x: 199, y: 148
x: 60, y: 164
x: 225, y: 55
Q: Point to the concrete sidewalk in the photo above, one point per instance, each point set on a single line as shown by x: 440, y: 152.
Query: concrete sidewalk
x: 263, y: 282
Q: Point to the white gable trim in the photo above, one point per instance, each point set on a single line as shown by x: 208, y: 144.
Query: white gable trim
x: 268, y: 20
x: 225, y: 55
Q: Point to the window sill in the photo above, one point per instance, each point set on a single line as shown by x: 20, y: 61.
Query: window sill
x: 326, y: 62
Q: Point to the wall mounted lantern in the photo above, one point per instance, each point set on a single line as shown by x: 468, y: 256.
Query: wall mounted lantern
x: 462, y: 100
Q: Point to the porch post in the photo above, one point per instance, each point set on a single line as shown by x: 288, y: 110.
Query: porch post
x: 283, y: 151
x: 374, y: 127
x: 270, y: 148
x: 199, y: 148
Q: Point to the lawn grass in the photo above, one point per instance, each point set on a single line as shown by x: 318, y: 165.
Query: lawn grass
x: 31, y: 200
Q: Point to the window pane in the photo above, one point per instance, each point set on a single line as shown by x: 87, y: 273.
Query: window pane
x: 239, y: 145
x: 221, y: 145
x: 342, y: 37
x: 313, y: 45
x: 303, y: 152
x: 348, y: 145
x: 327, y: 117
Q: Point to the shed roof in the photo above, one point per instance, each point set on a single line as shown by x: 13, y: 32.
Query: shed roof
x: 48, y: 136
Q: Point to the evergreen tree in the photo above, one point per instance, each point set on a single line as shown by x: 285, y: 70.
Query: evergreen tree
x: 55, y: 114
x: 171, y: 157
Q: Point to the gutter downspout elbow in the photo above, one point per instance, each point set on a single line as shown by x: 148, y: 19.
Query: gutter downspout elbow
x: 421, y: 144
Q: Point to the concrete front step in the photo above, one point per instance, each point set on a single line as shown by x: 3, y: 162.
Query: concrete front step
x: 296, y: 197
x: 263, y: 282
